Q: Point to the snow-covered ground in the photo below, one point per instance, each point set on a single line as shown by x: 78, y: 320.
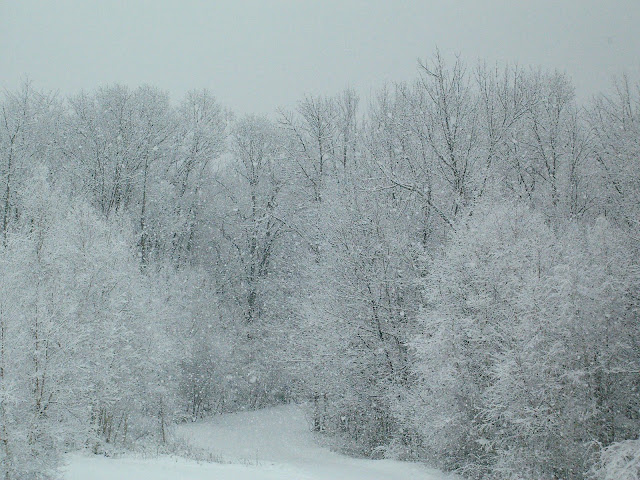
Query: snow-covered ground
x: 268, y: 444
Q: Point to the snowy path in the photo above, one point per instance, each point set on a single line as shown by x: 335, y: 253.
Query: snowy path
x: 268, y: 444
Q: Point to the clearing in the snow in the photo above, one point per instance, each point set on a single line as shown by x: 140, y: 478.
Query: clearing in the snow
x: 269, y: 444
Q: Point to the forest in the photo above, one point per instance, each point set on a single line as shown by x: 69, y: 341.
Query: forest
x: 447, y: 271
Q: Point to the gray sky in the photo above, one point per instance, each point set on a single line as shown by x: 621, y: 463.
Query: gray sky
x: 257, y: 55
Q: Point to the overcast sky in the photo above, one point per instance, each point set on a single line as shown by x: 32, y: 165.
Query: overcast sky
x: 257, y: 55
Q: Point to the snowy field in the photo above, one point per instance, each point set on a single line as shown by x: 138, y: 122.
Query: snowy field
x: 268, y: 444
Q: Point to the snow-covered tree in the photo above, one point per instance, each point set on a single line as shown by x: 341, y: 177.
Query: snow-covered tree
x: 529, y: 346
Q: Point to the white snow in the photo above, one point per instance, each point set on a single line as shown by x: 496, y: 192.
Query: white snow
x: 163, y: 468
x: 273, y: 443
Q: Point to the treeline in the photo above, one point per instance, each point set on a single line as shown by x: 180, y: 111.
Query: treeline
x: 449, y: 274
